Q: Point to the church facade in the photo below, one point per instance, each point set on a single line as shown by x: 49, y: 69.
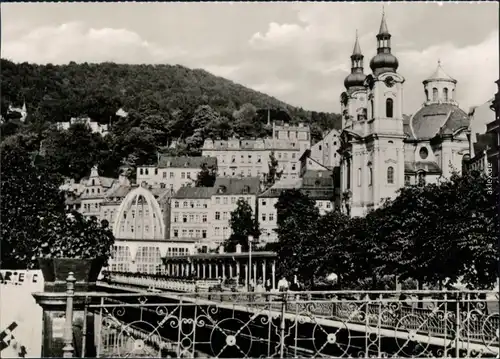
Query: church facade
x: 382, y: 149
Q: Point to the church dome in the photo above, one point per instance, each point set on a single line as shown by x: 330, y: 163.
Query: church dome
x: 437, y: 118
x: 355, y: 79
x: 384, y: 62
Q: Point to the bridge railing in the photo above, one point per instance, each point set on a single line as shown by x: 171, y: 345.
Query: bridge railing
x: 338, y: 324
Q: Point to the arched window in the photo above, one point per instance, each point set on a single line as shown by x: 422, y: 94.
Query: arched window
x: 426, y: 95
x: 445, y: 94
x: 390, y: 175
x: 141, y: 171
x: 421, y: 178
x: 372, y: 109
x: 389, y: 104
x: 359, y: 177
x: 434, y: 94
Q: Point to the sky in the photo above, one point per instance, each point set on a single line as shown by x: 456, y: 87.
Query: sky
x: 296, y: 52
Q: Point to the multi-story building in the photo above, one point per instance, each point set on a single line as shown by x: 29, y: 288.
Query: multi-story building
x: 325, y: 151
x: 94, y: 189
x: 484, y: 137
x: 316, y: 181
x: 251, y: 157
x: 191, y: 215
x: 173, y: 172
x: 380, y: 152
x: 224, y: 201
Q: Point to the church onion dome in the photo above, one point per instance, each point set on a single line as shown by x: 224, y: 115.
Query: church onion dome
x: 439, y: 75
x: 356, y: 78
x: 384, y: 61
x: 438, y: 119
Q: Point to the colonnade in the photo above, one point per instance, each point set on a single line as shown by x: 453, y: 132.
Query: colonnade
x: 223, y: 266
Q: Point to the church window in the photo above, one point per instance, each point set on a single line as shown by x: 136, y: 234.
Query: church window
x: 359, y: 177
x: 426, y: 95
x: 389, y: 104
x: 421, y: 178
x: 434, y: 94
x: 445, y: 94
x: 390, y: 175
x: 424, y: 153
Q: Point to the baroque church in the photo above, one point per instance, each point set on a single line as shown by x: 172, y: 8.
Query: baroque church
x: 382, y: 149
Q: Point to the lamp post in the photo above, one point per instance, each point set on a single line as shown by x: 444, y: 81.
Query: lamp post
x: 250, y: 241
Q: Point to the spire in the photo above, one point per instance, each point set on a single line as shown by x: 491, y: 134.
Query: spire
x: 383, y: 25
x: 357, y: 48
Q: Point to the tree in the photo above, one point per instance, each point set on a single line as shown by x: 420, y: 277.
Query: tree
x: 273, y: 173
x: 33, y: 213
x: 243, y: 224
x: 297, y: 233
x: 206, y: 177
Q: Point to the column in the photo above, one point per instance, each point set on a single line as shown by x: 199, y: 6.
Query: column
x: 223, y: 269
x: 198, y: 274
x: 210, y: 270
x: 204, y: 275
x: 238, y: 271
x: 264, y: 271
x: 246, y: 274
x: 254, y: 277
x: 273, y: 273
x: 217, y: 270
x: 230, y: 270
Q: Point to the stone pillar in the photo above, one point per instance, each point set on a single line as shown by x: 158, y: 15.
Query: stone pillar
x: 204, y: 273
x: 198, y: 274
x: 223, y: 269
x: 264, y: 271
x: 246, y: 274
x: 230, y: 270
x: 254, y: 276
x: 238, y: 275
x: 210, y: 270
x: 217, y: 270
x: 273, y: 273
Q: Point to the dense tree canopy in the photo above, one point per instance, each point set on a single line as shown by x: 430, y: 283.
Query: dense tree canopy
x: 34, y: 221
x: 436, y: 235
x: 243, y: 224
x: 165, y: 104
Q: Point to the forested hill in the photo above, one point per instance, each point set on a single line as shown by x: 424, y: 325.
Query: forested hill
x: 60, y: 92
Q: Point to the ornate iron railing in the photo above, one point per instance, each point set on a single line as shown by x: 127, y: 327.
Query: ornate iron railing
x: 295, y: 324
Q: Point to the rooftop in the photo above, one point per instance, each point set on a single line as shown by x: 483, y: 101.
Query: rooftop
x: 194, y: 192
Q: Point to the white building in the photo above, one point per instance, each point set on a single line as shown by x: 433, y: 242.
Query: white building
x: 325, y: 151
x: 94, y: 126
x: 381, y: 149
x: 251, y: 157
x: 173, y: 172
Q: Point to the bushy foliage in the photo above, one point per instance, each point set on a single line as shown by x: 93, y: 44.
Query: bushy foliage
x: 243, y: 224
x: 34, y: 221
x: 436, y: 235
x: 164, y: 104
